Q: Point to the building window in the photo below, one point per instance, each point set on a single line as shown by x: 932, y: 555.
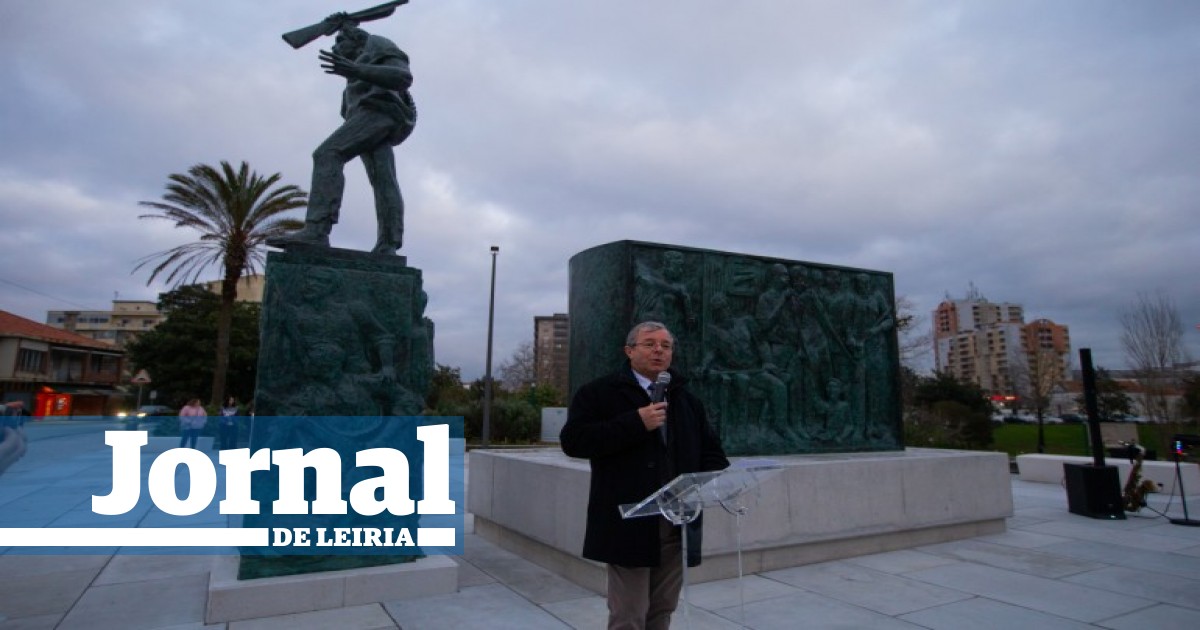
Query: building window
x: 30, y: 360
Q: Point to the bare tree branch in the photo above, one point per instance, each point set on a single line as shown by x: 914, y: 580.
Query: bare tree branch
x: 518, y: 370
x: 914, y: 344
x: 1152, y: 336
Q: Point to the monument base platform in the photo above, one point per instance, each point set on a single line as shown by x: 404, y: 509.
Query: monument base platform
x: 230, y: 599
x: 1049, y: 469
x: 821, y: 507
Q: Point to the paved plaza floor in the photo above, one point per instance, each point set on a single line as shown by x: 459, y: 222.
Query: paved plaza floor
x: 1050, y: 570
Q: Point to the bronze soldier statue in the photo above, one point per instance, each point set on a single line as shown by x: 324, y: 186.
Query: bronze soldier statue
x: 379, y: 114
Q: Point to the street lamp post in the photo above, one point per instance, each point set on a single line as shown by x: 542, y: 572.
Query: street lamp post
x: 487, y: 378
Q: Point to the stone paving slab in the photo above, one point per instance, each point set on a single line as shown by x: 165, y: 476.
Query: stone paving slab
x: 44, y: 594
x: 1032, y: 562
x: 1172, y: 563
x: 720, y: 594
x: 881, y: 592
x: 139, y: 568
x: 1156, y: 617
x: 1054, y: 597
x: 365, y: 617
x: 902, y: 561
x: 981, y: 613
x: 810, y: 610
x: 1169, y: 589
x: 489, y: 607
x: 146, y: 605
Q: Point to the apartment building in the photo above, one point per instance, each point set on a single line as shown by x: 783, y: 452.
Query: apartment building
x: 551, y: 356
x: 117, y: 327
x: 130, y: 318
x: 991, y: 345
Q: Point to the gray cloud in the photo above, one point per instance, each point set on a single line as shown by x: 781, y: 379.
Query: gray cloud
x: 1043, y: 151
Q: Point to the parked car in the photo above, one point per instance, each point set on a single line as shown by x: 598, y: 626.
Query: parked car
x: 1072, y: 418
x: 149, y: 410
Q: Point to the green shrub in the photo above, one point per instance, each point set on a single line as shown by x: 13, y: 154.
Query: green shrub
x: 948, y: 424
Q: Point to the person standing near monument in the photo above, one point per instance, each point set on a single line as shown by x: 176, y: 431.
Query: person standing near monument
x: 228, y: 427
x: 379, y: 114
x: 192, y: 419
x: 613, y: 423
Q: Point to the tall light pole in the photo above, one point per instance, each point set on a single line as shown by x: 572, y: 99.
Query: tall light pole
x: 487, y: 378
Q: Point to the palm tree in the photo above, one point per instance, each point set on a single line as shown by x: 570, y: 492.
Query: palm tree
x: 235, y: 212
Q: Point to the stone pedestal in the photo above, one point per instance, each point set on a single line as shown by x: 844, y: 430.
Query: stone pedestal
x: 345, y: 346
x: 343, y: 334
x: 822, y: 507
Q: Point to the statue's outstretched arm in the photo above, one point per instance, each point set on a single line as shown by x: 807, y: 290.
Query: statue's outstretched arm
x: 393, y: 74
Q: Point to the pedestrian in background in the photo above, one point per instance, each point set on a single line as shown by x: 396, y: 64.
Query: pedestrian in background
x: 12, y: 435
x: 228, y: 427
x: 192, y: 419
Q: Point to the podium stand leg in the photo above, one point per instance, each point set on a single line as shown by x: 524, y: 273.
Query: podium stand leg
x: 737, y: 528
x: 683, y: 557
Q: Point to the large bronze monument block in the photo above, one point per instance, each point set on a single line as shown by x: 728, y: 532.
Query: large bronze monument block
x: 788, y: 356
x: 343, y: 334
x: 345, y: 349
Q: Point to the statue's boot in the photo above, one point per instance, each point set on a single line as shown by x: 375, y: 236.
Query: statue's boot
x: 386, y: 246
x: 313, y: 233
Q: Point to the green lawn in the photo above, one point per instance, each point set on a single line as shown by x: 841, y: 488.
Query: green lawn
x: 1071, y: 439
x: 1061, y: 439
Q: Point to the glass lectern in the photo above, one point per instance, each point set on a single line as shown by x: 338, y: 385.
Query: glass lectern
x: 682, y: 500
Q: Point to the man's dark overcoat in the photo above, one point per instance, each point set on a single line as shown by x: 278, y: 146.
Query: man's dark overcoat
x: 629, y: 463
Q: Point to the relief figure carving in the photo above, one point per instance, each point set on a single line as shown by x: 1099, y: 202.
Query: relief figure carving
x: 739, y: 365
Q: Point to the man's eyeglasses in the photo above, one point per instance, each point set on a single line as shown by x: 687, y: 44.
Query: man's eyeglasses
x: 651, y: 345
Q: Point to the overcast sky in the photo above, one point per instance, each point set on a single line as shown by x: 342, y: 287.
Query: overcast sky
x: 1047, y: 151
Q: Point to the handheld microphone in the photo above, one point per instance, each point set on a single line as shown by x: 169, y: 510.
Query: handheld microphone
x: 660, y: 387
x: 658, y: 395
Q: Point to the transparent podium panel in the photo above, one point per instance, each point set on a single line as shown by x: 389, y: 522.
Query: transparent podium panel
x: 683, y: 499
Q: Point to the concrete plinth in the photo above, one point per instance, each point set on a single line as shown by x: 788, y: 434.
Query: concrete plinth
x: 1049, y: 469
x: 821, y: 507
x: 230, y: 599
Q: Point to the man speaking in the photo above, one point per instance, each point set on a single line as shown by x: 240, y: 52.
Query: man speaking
x: 635, y: 446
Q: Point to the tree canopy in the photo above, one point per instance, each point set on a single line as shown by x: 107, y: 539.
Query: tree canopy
x: 234, y: 212
x: 948, y: 413
x: 1111, y: 399
x: 178, y: 352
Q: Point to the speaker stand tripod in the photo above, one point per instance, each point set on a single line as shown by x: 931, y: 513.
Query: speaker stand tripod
x: 1190, y: 522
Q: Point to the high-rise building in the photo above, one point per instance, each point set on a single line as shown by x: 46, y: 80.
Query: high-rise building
x: 1043, y: 336
x: 990, y: 344
x: 551, y: 356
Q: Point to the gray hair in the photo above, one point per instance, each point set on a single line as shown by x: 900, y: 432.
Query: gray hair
x: 631, y: 338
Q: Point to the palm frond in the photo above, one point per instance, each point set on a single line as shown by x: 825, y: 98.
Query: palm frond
x: 233, y: 210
